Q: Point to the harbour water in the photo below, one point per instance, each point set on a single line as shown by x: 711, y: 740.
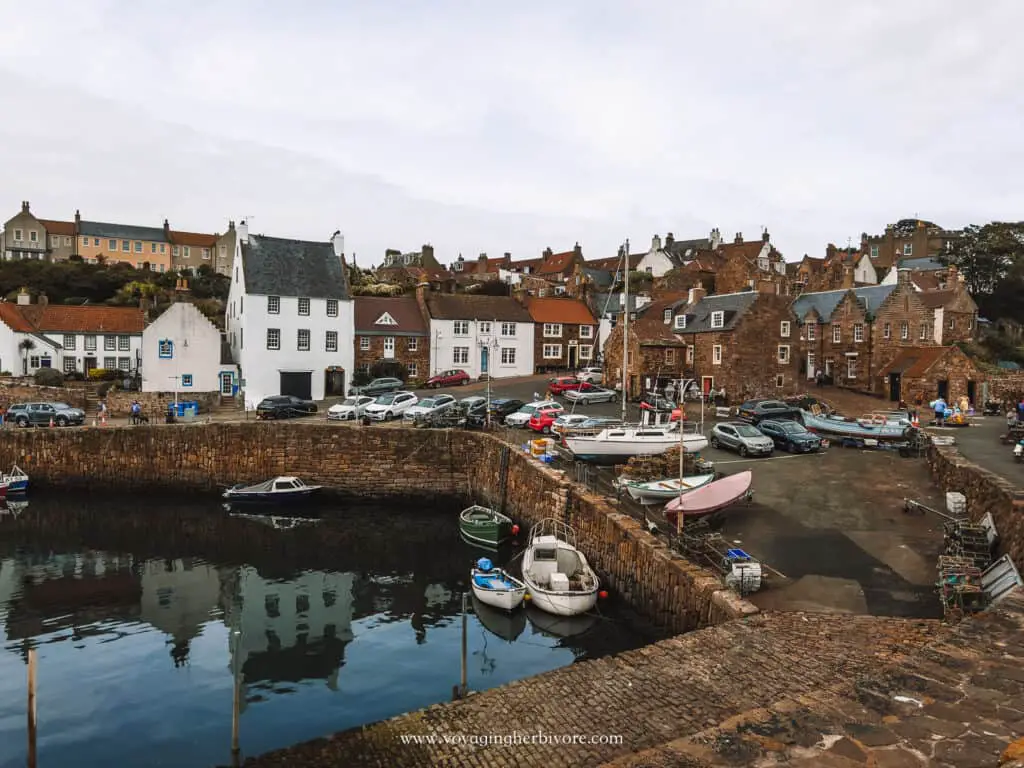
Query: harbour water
x: 145, y: 612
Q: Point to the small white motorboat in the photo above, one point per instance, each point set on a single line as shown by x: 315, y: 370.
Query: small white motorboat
x: 660, y: 491
x: 285, y: 488
x: 615, y: 445
x: 495, y: 587
x: 557, y: 574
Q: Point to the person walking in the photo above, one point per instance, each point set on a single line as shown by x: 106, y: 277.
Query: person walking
x: 939, y: 406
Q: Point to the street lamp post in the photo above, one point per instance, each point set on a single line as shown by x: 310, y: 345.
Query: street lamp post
x: 490, y: 345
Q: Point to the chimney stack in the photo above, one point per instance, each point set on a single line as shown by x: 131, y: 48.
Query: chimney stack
x: 716, y: 239
x: 655, y: 243
x: 78, y: 221
x: 577, y: 250
x: 24, y: 206
x: 696, y: 293
x: 338, y: 242
x: 548, y: 253
x: 903, y: 276
x: 765, y: 237
x: 847, y: 276
x: 243, y: 232
x: 24, y: 297
x: 167, y: 230
x: 43, y: 300
x: 767, y: 286
x: 669, y: 239
x: 739, y: 238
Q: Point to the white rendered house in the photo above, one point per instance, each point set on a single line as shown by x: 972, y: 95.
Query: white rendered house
x: 290, y: 317
x: 181, y: 352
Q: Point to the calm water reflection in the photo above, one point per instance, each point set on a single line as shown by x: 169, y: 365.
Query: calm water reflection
x: 143, y: 614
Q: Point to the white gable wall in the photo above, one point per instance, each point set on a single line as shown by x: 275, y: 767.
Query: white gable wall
x: 656, y: 263
x: 194, y: 351
x: 865, y: 272
x: 444, y: 343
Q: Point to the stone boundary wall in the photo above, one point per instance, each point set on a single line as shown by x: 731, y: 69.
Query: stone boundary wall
x: 986, y: 492
x: 1006, y: 385
x: 382, y: 462
x: 118, y: 402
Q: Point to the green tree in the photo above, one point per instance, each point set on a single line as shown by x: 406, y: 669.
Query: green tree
x: 986, y: 255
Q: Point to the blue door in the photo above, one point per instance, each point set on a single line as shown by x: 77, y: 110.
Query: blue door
x: 484, y: 359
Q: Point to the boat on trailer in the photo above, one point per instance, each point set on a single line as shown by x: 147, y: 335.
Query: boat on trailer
x: 556, y: 573
x: 16, y: 480
x: 279, y: 489
x: 486, y: 527
x: 871, y: 427
x: 615, y: 445
x: 660, y: 491
x: 496, y: 587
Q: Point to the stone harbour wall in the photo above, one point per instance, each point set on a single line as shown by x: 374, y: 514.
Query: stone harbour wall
x: 154, y: 404
x: 375, y: 462
x: 1006, y: 385
x: 986, y: 492
x: 80, y: 395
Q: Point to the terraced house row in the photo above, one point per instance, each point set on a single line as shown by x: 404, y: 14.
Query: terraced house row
x: 159, y: 249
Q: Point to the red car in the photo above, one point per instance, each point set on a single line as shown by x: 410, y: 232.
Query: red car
x: 567, y: 383
x: 542, y: 421
x: 453, y: 378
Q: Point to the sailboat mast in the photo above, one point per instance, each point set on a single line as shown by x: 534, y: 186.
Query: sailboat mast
x: 625, y: 326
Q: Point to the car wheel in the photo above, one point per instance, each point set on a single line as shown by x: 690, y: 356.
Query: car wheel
x: 743, y: 451
x: 389, y: 416
x: 546, y: 431
x: 21, y: 421
x: 465, y: 382
x: 62, y: 421
x: 714, y: 441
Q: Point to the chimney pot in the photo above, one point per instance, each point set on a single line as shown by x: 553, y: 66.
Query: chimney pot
x: 24, y: 206
x: 738, y: 238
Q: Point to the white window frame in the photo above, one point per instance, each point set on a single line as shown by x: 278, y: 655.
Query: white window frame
x: 670, y: 356
x: 812, y: 364
x: 586, y: 351
x: 508, y: 355
x: 783, y: 354
x: 484, y: 327
x: 886, y: 330
x: 851, y: 367
x: 332, y: 307
x: 924, y: 332
x: 273, y: 338
x: 508, y: 329
x: 718, y: 319
x: 70, y: 365
x: 908, y: 249
x: 90, y: 342
x: 785, y: 328
x: 667, y: 315
x: 837, y: 333
x: 109, y: 343
x: 552, y: 351
x: 904, y: 330
x: 364, y: 343
x: 460, y: 355
x: 812, y: 332
x: 586, y: 332
x: 716, y: 354
x: 858, y: 333
x: 412, y: 344
x: 680, y: 323
x: 124, y: 343
x: 389, y: 344
x: 689, y: 353
x: 69, y: 342
x: 273, y: 305
x: 412, y: 369
x: 331, y: 341
x: 552, y: 330
x: 874, y: 251
x: 109, y: 363
x: 304, y: 306
x: 460, y: 328
x: 302, y: 340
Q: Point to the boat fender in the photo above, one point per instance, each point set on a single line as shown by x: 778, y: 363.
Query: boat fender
x: 484, y: 564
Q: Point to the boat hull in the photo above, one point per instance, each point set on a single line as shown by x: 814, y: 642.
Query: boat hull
x: 616, y: 452
x: 281, y: 497
x: 17, y: 486
x: 650, y: 493
x: 559, y: 603
x: 491, y: 533
x: 504, y: 592
x: 842, y: 428
x: 711, y: 498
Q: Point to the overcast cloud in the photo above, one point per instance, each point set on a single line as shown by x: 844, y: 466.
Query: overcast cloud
x: 479, y: 126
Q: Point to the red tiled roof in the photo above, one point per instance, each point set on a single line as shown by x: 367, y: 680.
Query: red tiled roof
x: 612, y: 263
x: 936, y: 299
x: 194, y: 239
x: 925, y: 280
x: 748, y: 250
x: 534, y: 264
x: 84, y: 319
x: 447, y: 306
x: 565, y: 311
x: 556, y: 262
x: 913, y: 362
x: 403, y: 310
x: 58, y: 227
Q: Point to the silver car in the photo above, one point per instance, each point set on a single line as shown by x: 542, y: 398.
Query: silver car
x: 745, y: 439
x: 591, y: 394
x: 429, y: 406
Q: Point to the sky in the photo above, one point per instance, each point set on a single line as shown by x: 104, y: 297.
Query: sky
x: 484, y: 127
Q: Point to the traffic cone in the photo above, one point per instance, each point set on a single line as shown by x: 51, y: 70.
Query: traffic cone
x: 51, y: 421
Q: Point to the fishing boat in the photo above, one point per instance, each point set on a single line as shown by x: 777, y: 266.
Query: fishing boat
x: 12, y: 508
x: 873, y: 427
x: 711, y: 498
x: 486, y: 527
x: 558, y: 627
x: 556, y: 573
x: 658, y: 491
x: 615, y: 445
x: 279, y: 489
x: 495, y: 587
x: 507, y: 625
x: 16, y: 480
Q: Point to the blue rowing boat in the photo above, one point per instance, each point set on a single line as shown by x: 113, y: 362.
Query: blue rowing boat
x: 876, y: 427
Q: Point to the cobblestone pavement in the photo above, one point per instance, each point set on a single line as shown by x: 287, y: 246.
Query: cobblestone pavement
x: 650, y: 696
x: 958, y: 703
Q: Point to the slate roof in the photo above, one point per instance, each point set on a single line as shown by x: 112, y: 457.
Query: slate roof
x: 825, y: 302
x: 403, y: 309
x: 654, y: 332
x: 611, y: 304
x: 276, y: 266
x: 601, y: 278
x: 681, y: 251
x: 565, y: 311
x: 122, y: 231
x: 469, y: 307
x: 927, y: 263
x: 733, y: 305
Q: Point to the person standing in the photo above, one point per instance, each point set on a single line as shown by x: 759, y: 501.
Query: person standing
x: 939, y: 406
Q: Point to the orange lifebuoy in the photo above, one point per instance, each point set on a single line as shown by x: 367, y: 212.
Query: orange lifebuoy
x: 878, y: 419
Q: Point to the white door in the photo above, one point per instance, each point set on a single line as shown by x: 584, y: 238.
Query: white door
x: 389, y: 347
x: 227, y: 383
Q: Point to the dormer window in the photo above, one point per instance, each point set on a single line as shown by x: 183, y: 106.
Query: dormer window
x: 668, y: 316
x: 680, y: 322
x: 762, y: 263
x: 718, y: 319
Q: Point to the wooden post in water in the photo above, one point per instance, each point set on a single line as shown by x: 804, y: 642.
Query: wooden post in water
x: 463, y: 682
x: 236, y: 702
x: 31, y: 708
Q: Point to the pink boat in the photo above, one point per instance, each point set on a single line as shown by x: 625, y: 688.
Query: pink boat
x: 711, y: 498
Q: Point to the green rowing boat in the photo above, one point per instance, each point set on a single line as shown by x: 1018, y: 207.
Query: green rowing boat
x: 486, y: 527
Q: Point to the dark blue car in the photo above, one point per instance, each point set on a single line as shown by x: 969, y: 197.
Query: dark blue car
x: 790, y: 435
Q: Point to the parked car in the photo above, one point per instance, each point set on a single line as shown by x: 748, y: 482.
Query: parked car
x: 452, y: 378
x: 591, y: 375
x: 544, y: 420
x: 521, y: 418
x: 567, y: 421
x: 394, y: 404
x: 742, y: 438
x: 429, y: 406
x: 349, y: 409
x: 753, y: 411
x: 790, y: 435
x: 657, y: 402
x: 563, y: 384
x: 378, y: 387
x: 40, y: 415
x: 284, y: 407
x: 502, y: 407
x: 589, y: 394
x: 475, y: 410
